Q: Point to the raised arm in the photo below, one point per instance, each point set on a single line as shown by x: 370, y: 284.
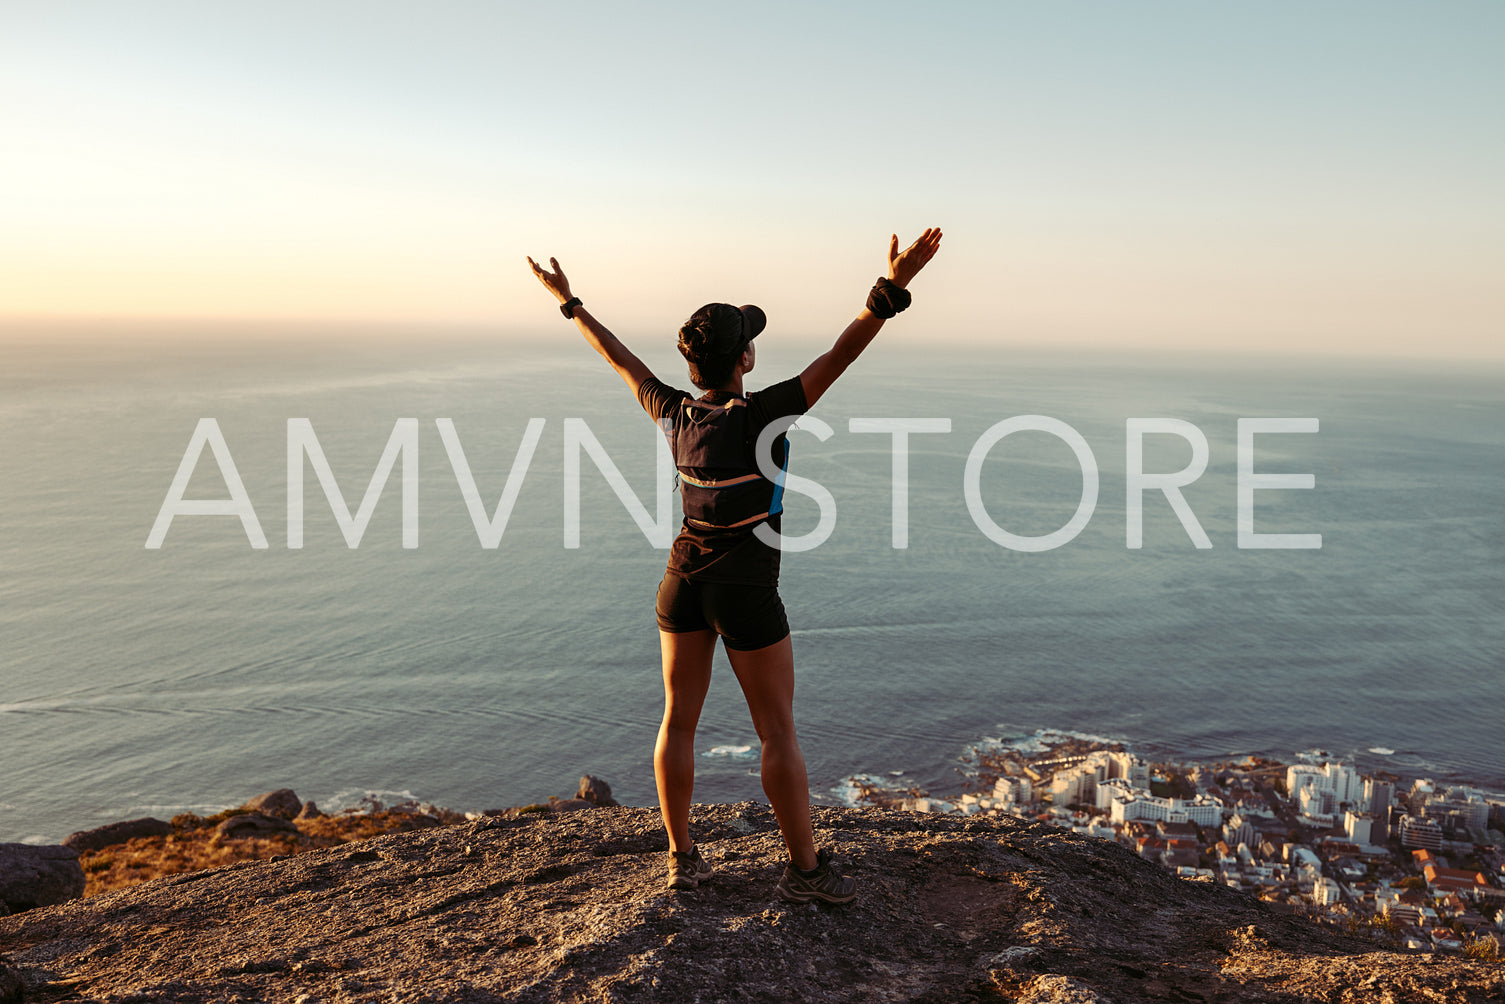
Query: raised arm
x: 628, y: 366
x: 902, y: 267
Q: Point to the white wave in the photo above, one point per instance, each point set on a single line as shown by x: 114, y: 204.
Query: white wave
x: 1382, y: 750
x: 737, y: 752
x: 1039, y: 741
x: 848, y: 791
x: 361, y: 798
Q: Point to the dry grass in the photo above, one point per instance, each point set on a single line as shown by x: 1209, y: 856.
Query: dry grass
x: 193, y: 845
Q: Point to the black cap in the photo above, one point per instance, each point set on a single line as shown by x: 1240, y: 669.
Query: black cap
x: 753, y: 320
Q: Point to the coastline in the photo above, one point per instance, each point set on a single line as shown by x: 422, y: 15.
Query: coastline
x: 1405, y: 765
x: 953, y: 779
x: 1406, y: 861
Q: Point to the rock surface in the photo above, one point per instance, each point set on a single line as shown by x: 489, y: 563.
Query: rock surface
x: 11, y: 986
x: 596, y: 791
x: 116, y: 833
x: 32, y: 876
x: 253, y: 824
x: 282, y: 803
x: 573, y: 907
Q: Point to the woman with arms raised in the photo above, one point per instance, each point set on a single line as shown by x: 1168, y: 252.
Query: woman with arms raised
x: 722, y: 579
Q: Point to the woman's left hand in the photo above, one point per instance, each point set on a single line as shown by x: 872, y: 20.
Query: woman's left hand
x: 904, y: 266
x: 554, y: 281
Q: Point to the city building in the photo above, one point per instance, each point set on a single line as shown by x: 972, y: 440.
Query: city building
x: 1326, y: 892
x: 1238, y: 830
x: 1357, y: 826
x: 1011, y: 791
x: 1418, y: 832
x: 1458, y: 809
x: 1204, y: 810
x: 1378, y: 795
x: 1342, y: 781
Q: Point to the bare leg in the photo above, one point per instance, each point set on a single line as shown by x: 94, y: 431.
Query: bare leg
x: 767, y: 679
x: 687, y: 677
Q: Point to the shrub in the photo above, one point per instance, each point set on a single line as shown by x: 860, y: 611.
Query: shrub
x: 1486, y: 949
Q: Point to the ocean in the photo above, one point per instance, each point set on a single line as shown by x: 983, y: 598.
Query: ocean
x: 188, y: 677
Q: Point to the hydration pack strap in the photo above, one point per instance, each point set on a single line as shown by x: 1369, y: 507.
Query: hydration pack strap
x: 743, y: 479
x: 729, y: 526
x: 691, y: 403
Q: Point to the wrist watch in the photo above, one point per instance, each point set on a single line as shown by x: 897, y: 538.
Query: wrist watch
x: 568, y: 307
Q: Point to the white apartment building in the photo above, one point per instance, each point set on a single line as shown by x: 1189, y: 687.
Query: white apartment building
x: 1238, y: 830
x: 1467, y: 805
x: 1315, y: 805
x: 1326, y: 892
x: 1204, y: 810
x: 1075, y: 784
x: 1115, y: 787
x: 1080, y: 782
x: 1342, y: 781
x: 1358, y: 826
x: 1013, y: 791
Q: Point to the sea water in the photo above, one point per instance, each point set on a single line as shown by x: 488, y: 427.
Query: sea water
x: 138, y: 681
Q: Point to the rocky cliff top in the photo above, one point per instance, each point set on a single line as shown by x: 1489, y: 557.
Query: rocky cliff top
x: 572, y: 906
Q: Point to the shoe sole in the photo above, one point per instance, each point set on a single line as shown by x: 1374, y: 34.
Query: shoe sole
x: 690, y: 881
x: 809, y: 897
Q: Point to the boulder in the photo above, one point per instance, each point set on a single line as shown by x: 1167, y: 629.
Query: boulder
x: 254, y: 824
x: 116, y: 833
x: 32, y: 876
x: 283, y: 803
x: 309, y: 811
x: 596, y: 791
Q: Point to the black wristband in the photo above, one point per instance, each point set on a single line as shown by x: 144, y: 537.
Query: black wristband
x: 887, y: 299
x: 567, y: 308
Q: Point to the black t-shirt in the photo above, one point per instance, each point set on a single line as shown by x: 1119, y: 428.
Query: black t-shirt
x: 728, y: 555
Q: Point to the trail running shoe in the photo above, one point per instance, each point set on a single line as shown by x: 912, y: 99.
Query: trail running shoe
x: 687, y: 869
x: 826, y: 883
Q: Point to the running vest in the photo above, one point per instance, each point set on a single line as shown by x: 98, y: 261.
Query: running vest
x: 719, y: 482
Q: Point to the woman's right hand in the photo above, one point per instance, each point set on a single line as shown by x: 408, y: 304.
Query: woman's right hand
x: 554, y: 281
x: 905, y: 265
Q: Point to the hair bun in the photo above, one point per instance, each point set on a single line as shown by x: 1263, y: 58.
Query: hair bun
x: 715, y: 329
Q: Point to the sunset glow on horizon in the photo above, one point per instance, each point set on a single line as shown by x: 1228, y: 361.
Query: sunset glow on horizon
x: 1168, y: 176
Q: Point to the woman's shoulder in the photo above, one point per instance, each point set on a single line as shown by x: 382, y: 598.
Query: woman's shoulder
x: 787, y: 397
x: 658, y: 398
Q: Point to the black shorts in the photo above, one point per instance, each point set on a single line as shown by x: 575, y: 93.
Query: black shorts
x: 746, y: 617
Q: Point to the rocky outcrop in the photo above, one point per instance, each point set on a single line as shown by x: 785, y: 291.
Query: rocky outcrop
x: 116, y: 833
x: 573, y: 907
x: 252, y: 824
x: 32, y: 876
x: 596, y: 791
x: 282, y: 803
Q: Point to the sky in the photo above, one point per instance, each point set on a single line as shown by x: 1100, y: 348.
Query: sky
x: 1290, y: 177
